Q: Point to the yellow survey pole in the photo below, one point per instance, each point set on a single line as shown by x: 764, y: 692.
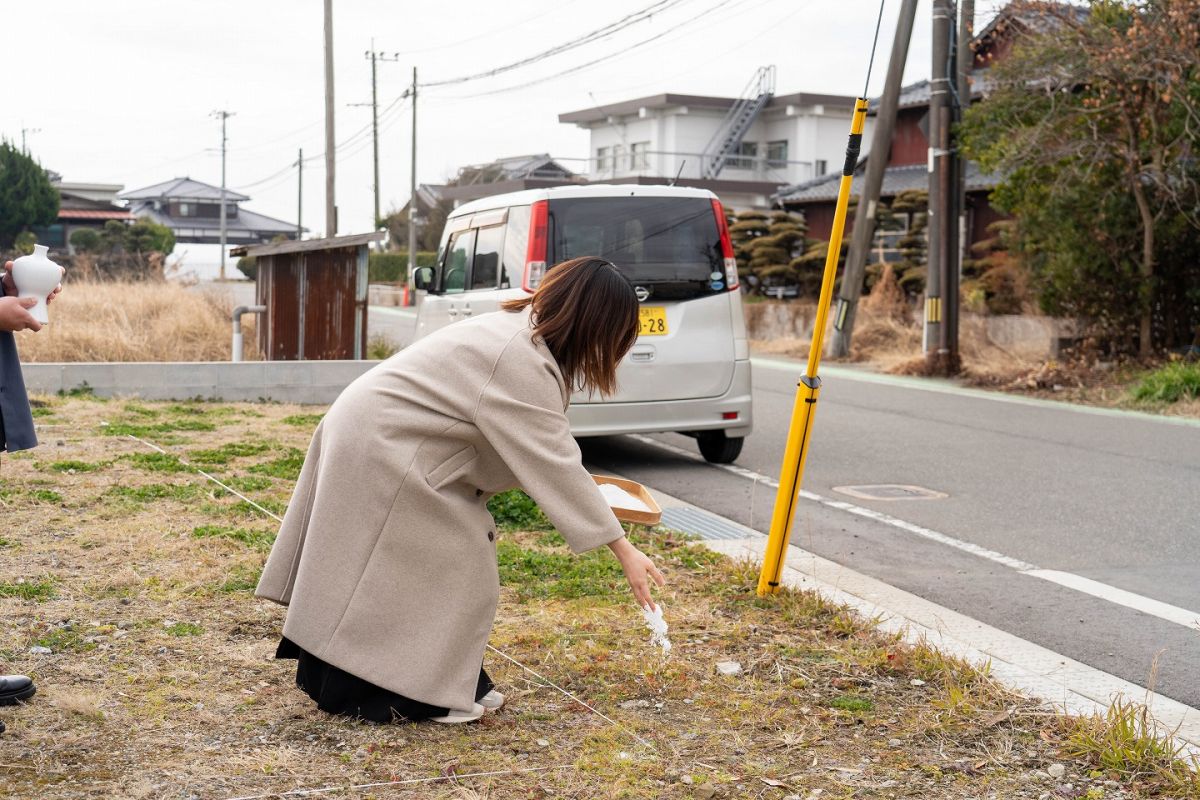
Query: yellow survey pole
x: 791, y: 473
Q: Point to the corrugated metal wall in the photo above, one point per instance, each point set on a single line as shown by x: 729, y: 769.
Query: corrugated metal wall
x: 316, y: 304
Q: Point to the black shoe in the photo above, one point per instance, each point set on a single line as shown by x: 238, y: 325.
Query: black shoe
x: 15, y: 688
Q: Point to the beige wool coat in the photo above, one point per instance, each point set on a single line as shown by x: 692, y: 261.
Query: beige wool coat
x: 386, y: 558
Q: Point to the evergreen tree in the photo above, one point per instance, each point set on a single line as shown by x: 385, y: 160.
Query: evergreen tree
x: 27, y: 198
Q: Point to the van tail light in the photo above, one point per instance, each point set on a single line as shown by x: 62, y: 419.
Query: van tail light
x: 535, y: 254
x: 731, y: 275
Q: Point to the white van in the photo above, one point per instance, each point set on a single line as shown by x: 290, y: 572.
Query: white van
x: 690, y: 369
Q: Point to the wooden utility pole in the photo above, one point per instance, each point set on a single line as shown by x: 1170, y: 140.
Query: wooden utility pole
x: 939, y: 185
x: 412, y: 186
x: 877, y: 160
x: 222, y: 115
x: 330, y: 144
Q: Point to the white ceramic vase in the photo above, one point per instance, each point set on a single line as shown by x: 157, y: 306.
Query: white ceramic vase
x: 36, y: 276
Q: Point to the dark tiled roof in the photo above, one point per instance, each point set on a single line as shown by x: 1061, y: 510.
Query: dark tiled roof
x: 246, y: 221
x: 183, y: 189
x: 895, y: 181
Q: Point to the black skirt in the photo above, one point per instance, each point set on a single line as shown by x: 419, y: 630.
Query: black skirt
x: 339, y: 692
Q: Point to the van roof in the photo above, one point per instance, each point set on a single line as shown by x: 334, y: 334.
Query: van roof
x: 529, y: 196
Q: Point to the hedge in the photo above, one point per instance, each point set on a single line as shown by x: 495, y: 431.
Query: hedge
x: 393, y: 267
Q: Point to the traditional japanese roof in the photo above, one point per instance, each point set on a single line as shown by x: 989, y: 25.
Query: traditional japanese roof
x: 895, y: 181
x: 182, y: 189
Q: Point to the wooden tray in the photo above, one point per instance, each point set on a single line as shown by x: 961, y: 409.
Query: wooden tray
x: 651, y: 517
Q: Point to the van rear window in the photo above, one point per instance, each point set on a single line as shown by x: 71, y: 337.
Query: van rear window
x: 669, y: 244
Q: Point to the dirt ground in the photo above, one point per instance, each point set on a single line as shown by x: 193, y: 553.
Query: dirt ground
x: 125, y: 591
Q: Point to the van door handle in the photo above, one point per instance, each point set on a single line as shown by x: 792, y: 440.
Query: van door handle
x: 467, y: 310
x: 452, y: 312
x: 643, y: 354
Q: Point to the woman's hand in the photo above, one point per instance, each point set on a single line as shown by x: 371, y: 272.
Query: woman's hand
x: 639, y: 569
x: 15, y: 316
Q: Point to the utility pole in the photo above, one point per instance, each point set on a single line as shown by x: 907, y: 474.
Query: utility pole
x: 868, y: 201
x: 374, y: 57
x: 25, y: 131
x: 412, y: 186
x: 963, y: 62
x: 222, y: 115
x: 299, y: 194
x: 330, y: 144
x: 936, y: 353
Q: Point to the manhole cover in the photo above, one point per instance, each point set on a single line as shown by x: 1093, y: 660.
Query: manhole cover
x: 890, y: 491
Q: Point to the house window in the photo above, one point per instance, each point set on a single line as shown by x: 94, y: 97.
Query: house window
x: 185, y: 210
x: 777, y: 153
x: 618, y: 154
x: 743, y: 157
x: 820, y: 167
x: 603, y: 159
x: 638, y: 155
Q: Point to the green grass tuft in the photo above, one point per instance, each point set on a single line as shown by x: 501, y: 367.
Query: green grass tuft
x: 29, y: 590
x: 286, y: 467
x: 515, y: 511
x: 184, y: 629
x: 303, y: 420
x: 65, y: 640
x: 157, y: 491
x: 1170, y: 384
x: 44, y: 496
x: 76, y: 466
x: 157, y: 462
x: 851, y: 703
x: 241, y: 579
x: 259, y: 540
x: 538, y: 574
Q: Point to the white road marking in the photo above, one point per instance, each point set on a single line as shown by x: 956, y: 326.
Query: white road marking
x: 1112, y: 594
x: 1180, y: 616
x: 946, y: 387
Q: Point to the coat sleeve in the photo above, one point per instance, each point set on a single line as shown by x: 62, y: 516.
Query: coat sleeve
x: 520, y: 414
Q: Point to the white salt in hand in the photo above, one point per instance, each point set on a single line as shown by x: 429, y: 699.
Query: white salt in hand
x: 658, y: 628
x: 616, y: 497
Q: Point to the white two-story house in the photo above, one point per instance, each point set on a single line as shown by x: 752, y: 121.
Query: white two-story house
x: 743, y: 149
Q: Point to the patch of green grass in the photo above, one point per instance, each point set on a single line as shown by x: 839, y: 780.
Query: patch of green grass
x: 151, y: 430
x: 539, y: 574
x: 7, y: 542
x: 302, y: 420
x: 65, y: 640
x: 222, y: 454
x: 241, y: 579
x: 852, y: 704
x: 83, y: 390
x: 42, y: 412
x: 1170, y: 383
x: 71, y: 465
x: 251, y: 483
x: 381, y: 347
x: 515, y: 511
x: 286, y: 466
x: 157, y: 462
x: 44, y: 496
x: 1125, y: 740
x: 140, y: 410
x: 184, y: 629
x: 259, y: 540
x: 28, y: 590
x: 157, y: 491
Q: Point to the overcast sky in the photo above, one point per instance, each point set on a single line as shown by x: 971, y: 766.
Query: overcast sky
x: 123, y: 92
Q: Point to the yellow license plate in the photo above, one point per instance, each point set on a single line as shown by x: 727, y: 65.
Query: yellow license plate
x: 653, y: 321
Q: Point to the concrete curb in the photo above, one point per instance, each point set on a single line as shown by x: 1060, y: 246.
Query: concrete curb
x: 308, y: 382
x: 1031, y: 669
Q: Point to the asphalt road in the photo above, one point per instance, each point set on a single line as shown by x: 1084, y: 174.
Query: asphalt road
x: 1113, y: 498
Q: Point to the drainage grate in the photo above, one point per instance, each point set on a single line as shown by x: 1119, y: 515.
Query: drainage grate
x: 703, y: 524
x: 890, y: 491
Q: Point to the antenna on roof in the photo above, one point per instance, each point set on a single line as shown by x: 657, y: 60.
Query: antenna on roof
x: 682, y: 164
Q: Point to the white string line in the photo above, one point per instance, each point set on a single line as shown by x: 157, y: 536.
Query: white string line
x: 573, y: 697
x: 301, y: 792
x: 229, y: 489
x: 490, y: 647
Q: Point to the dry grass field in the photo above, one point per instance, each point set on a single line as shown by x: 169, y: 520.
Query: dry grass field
x: 136, y: 321
x: 125, y: 590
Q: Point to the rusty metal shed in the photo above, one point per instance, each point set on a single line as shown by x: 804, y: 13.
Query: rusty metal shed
x: 315, y: 295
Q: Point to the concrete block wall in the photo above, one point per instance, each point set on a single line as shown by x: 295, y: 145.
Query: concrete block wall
x: 314, y: 382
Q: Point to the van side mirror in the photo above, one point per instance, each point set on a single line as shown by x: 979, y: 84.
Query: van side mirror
x: 423, y: 278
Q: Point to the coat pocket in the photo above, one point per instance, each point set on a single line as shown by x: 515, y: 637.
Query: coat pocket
x: 452, y: 468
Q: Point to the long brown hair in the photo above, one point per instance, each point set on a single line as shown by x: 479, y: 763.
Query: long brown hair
x: 587, y: 313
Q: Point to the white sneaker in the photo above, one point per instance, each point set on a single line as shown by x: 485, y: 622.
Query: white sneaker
x: 458, y: 717
x: 492, y: 700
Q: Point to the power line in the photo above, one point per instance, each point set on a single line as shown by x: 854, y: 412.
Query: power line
x: 597, y: 35
x: 593, y: 62
x: 491, y: 32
